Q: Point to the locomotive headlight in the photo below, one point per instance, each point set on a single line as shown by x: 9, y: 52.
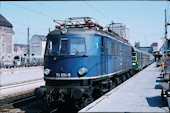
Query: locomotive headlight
x: 64, y: 31
x: 47, y: 71
x: 133, y: 63
x: 82, y: 71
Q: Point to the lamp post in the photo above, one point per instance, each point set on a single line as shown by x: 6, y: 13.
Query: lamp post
x: 166, y: 41
x: 28, y: 49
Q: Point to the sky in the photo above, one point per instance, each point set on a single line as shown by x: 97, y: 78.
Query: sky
x: 145, y: 19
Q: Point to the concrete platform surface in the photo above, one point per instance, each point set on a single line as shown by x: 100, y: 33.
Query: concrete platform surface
x: 141, y: 93
x: 21, y: 75
x: 21, y: 81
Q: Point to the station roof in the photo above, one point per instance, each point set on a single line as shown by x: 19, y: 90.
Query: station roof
x: 4, y: 22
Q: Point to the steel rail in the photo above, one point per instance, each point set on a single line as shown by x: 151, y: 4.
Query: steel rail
x: 11, y: 105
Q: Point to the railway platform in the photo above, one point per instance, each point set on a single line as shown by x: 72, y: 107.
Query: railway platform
x: 19, y: 75
x: 20, y: 81
x: 140, y: 93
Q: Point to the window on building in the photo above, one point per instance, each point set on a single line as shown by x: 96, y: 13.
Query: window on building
x: 8, y: 48
x: 3, y: 48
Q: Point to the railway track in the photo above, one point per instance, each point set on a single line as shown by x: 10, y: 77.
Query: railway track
x: 15, y: 98
x: 15, y: 103
x: 27, y: 103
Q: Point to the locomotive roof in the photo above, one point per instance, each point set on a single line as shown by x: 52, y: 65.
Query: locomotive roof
x: 111, y: 35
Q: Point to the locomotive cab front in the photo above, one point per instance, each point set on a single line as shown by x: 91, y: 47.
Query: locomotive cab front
x: 70, y: 60
x: 68, y: 56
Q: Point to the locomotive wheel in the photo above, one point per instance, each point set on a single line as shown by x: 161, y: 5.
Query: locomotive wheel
x: 78, y: 104
x: 117, y: 81
x: 85, y: 101
x: 123, y: 78
x: 128, y: 75
x: 95, y: 93
x: 114, y: 84
x: 110, y: 85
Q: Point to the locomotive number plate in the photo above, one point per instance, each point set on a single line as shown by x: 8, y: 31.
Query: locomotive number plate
x: 63, y: 74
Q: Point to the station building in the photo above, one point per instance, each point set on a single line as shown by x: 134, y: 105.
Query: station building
x: 6, y: 41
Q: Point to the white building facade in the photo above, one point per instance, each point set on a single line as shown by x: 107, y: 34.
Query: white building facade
x: 6, y: 41
x: 37, y: 47
x: 20, y: 49
x: 122, y: 31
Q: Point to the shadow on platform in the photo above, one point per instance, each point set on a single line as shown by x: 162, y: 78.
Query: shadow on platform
x: 156, y: 101
x: 158, y: 80
x: 157, y: 86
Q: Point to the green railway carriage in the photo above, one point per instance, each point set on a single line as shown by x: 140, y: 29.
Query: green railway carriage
x: 136, y: 59
x: 140, y: 59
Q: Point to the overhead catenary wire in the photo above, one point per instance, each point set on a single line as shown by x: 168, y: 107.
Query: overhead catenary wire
x: 34, y: 11
x: 97, y: 10
x: 62, y: 13
x: 110, y: 9
x: 17, y: 31
x: 25, y: 24
x: 31, y: 10
x: 29, y: 25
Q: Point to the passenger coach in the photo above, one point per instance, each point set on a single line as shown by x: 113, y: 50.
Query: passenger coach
x: 140, y: 59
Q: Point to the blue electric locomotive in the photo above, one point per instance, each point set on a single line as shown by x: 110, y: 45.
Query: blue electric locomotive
x: 82, y: 62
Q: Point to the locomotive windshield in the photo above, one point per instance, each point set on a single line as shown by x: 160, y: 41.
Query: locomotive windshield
x: 77, y: 45
x: 63, y: 49
x: 52, y: 46
x: 61, y: 46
